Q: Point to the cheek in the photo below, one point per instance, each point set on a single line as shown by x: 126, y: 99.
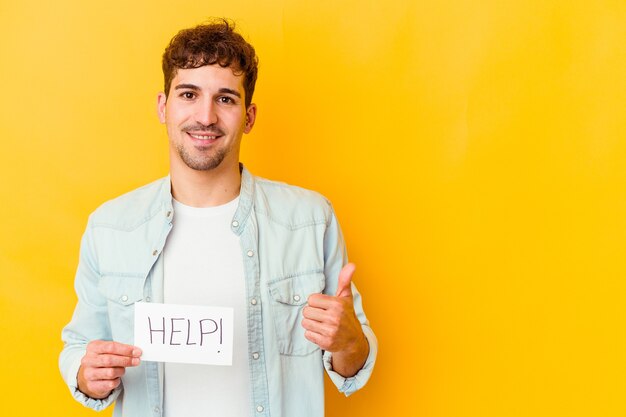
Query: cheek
x: 234, y: 121
x: 176, y: 121
x: 175, y: 114
x: 173, y: 122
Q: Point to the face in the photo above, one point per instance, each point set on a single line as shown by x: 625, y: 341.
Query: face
x: 205, y: 115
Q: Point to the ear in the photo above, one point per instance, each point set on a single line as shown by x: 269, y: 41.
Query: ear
x: 161, y: 101
x: 250, y: 118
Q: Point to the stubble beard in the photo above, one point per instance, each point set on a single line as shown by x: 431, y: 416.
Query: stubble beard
x: 202, y: 163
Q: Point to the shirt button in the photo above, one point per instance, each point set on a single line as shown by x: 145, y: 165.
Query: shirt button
x: 148, y: 299
x: 259, y: 408
x: 296, y: 298
x: 124, y: 298
x: 253, y: 301
x: 154, y: 252
x: 235, y: 223
x: 157, y: 410
x: 168, y: 214
x: 250, y: 254
x: 255, y: 355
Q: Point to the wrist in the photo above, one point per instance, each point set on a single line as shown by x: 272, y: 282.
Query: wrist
x: 347, y: 362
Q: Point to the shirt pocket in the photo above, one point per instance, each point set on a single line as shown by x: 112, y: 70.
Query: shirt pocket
x: 122, y: 292
x: 288, y: 297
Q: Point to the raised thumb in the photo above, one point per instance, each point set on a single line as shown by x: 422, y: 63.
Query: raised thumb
x: 344, y: 284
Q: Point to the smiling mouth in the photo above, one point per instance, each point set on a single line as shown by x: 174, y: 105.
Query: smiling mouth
x: 203, y: 137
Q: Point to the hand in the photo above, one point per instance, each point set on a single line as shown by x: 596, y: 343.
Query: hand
x: 331, y: 323
x: 103, y: 366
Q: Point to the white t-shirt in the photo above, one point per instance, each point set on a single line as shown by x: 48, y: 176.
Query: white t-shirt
x: 203, y: 265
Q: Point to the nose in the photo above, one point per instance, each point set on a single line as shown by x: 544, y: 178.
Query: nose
x: 206, y: 113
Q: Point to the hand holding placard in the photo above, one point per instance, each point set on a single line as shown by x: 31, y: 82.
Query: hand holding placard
x: 103, y: 365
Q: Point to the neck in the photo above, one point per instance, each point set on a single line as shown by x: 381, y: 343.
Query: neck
x: 205, y: 188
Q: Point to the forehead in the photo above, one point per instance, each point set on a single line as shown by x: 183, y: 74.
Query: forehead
x: 209, y: 77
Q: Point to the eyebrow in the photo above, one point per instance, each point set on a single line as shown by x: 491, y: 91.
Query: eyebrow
x: 187, y: 87
x: 194, y: 87
x: 230, y: 91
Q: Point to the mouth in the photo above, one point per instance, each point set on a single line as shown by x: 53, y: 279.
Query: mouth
x: 203, y: 137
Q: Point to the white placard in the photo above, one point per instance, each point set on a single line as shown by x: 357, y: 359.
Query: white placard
x: 184, y: 334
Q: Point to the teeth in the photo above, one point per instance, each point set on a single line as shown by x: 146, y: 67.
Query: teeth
x: 203, y: 137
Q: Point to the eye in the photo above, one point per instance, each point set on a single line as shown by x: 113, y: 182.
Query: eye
x: 188, y: 95
x: 226, y: 100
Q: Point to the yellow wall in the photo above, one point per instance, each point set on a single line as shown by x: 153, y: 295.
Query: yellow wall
x: 475, y: 153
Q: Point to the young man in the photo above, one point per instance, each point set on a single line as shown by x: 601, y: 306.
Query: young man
x: 213, y: 234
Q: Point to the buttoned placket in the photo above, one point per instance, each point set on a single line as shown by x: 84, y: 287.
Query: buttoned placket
x: 154, y: 370
x: 244, y: 224
x: 247, y: 232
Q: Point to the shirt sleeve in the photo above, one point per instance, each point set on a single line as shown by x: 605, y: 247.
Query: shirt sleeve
x: 335, y: 257
x: 89, y: 322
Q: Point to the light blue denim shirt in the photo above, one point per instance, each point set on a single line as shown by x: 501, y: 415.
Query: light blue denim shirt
x: 292, y: 247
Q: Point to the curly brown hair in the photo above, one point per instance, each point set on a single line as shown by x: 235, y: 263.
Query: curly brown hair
x: 208, y: 44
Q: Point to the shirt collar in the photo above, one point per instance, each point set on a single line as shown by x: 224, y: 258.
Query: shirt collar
x: 246, y: 196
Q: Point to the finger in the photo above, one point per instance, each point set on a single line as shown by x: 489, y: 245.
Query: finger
x: 115, y: 348
x: 108, y: 361
x: 316, y: 338
x: 101, y: 374
x: 103, y: 387
x: 322, y: 301
x: 344, y: 284
x: 319, y: 328
x: 314, y: 313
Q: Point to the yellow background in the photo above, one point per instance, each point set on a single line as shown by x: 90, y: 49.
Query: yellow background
x: 474, y: 150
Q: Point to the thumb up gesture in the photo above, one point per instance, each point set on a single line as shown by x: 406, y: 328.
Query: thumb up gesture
x: 344, y: 285
x: 330, y: 322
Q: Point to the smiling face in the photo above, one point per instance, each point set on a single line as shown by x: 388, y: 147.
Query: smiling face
x: 205, y: 117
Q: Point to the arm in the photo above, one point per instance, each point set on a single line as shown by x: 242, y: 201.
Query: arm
x: 80, y: 358
x: 336, y: 322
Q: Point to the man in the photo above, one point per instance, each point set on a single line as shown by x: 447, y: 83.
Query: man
x: 213, y: 234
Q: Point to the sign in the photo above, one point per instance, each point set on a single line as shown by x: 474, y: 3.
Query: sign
x: 184, y: 333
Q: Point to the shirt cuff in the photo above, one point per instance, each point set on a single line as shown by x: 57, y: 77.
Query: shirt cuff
x: 350, y: 385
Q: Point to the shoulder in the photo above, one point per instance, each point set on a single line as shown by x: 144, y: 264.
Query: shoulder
x: 132, y: 209
x: 290, y: 194
x: 291, y: 204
